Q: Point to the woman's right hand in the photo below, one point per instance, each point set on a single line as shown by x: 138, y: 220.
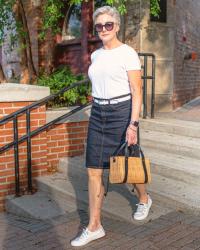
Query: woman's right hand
x: 131, y: 135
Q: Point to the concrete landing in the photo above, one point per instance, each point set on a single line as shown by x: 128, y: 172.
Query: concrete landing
x: 188, y: 112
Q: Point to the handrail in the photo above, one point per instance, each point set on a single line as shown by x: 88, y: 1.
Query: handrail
x: 145, y: 77
x: 29, y: 134
x: 44, y: 127
x: 42, y: 101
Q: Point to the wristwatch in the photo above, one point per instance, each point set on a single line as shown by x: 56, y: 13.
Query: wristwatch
x: 134, y: 123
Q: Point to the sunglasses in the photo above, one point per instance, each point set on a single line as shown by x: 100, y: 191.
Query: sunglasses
x: 108, y: 26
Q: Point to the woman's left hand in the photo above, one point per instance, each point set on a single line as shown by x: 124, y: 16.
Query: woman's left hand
x: 131, y: 135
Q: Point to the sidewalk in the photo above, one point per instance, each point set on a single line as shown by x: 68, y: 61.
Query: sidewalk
x: 170, y: 232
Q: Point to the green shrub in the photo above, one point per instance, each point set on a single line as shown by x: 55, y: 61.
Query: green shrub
x: 63, y: 77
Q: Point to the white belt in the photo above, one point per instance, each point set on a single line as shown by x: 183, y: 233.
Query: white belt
x: 113, y: 101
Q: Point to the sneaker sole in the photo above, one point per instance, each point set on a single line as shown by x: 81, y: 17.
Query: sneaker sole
x: 95, y: 238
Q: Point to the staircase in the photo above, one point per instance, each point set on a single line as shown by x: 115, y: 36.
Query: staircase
x: 174, y: 149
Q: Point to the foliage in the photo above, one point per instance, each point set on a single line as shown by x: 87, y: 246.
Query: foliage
x: 6, y: 19
x: 53, y: 8
x: 154, y: 7
x: 63, y: 77
x: 52, y: 13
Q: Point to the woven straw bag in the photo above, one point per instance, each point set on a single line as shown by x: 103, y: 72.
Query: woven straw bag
x: 132, y: 167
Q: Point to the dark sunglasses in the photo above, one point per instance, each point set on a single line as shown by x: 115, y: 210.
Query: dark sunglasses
x: 108, y: 26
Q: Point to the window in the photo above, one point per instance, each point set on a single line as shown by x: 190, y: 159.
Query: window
x: 99, y: 3
x: 72, y: 24
x: 162, y: 18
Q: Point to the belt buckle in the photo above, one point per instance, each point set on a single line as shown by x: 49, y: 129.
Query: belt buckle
x: 104, y: 102
x: 114, y: 101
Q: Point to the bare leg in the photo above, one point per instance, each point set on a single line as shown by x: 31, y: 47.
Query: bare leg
x: 96, y: 193
x: 141, y: 193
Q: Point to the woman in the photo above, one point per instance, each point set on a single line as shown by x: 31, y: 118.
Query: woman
x: 115, y: 73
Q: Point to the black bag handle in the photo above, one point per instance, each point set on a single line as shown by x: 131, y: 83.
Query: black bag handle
x: 127, y: 152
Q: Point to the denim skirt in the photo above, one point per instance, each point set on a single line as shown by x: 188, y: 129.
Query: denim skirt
x: 106, y: 132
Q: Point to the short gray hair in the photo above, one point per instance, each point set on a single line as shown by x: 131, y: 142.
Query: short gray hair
x: 112, y: 11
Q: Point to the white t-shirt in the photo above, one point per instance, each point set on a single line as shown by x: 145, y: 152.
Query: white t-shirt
x: 108, y: 71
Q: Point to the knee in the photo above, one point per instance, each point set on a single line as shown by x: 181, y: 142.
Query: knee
x: 95, y: 174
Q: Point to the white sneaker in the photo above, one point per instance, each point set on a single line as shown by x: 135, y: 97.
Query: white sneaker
x: 87, y: 236
x: 143, y: 210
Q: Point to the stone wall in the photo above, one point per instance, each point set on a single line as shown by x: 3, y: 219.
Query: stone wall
x: 157, y: 38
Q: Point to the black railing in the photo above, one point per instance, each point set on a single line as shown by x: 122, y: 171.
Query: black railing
x: 29, y: 134
x: 146, y: 77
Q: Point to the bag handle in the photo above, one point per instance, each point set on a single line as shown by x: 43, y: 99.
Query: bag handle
x: 125, y: 145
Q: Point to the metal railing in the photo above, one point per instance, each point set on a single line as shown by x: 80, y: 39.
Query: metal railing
x: 146, y: 77
x: 29, y: 134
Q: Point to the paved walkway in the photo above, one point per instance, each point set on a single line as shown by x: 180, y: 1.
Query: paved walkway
x: 170, y: 232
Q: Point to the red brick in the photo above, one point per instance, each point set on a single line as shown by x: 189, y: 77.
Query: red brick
x: 21, y: 104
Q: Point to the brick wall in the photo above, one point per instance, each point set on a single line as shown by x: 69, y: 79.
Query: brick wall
x: 66, y: 139
x: 48, y: 147
x: 187, y: 40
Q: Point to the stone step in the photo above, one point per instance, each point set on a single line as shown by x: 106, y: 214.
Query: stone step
x: 171, y: 143
x: 180, y: 195
x: 120, y: 202
x: 37, y: 206
x: 171, y: 126
x: 71, y: 183
x: 176, y: 167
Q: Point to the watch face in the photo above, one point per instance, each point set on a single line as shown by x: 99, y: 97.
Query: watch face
x: 135, y: 123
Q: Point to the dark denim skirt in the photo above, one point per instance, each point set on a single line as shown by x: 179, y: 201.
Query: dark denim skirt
x: 106, y: 132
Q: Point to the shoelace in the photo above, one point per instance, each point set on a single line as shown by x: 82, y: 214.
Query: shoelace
x: 141, y: 207
x: 83, y: 234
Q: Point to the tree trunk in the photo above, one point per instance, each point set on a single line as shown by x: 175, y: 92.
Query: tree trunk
x: 2, y: 75
x: 31, y: 66
x: 25, y: 75
x: 28, y: 72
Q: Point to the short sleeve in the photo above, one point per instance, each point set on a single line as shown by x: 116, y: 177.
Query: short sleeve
x: 92, y: 56
x: 132, y: 61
